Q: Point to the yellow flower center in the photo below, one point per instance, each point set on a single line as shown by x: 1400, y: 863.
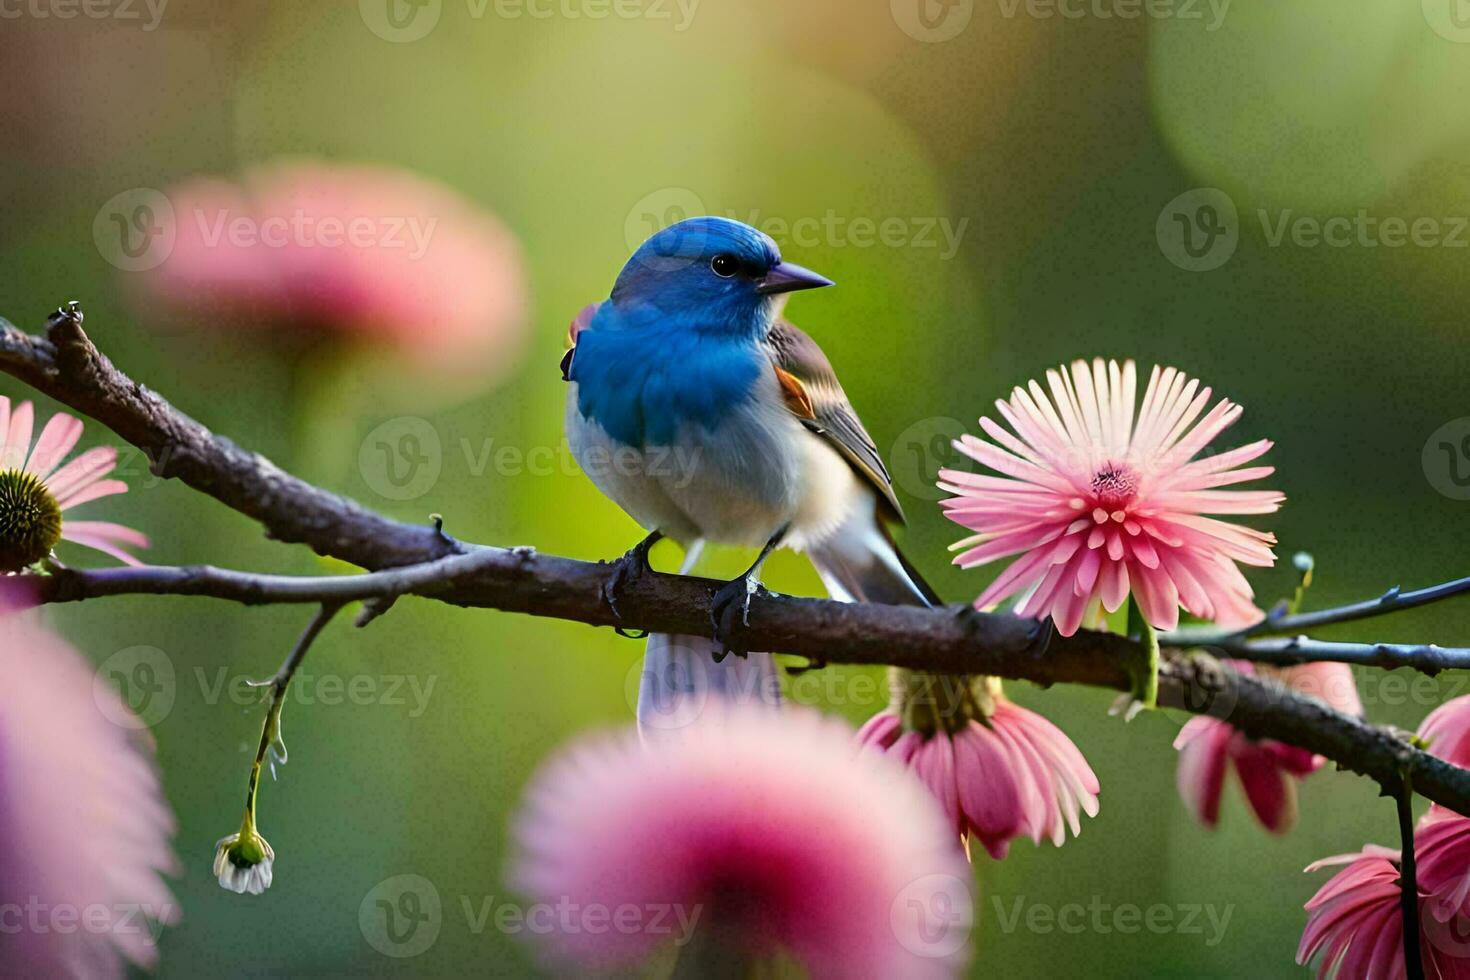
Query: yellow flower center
x: 30, y: 520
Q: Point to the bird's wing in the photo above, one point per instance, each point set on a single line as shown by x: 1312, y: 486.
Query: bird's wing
x: 814, y: 395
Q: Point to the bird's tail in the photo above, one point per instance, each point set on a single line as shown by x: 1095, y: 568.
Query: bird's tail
x: 861, y: 563
x: 679, y: 676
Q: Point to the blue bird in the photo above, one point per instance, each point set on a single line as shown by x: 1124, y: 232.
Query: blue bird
x: 708, y: 418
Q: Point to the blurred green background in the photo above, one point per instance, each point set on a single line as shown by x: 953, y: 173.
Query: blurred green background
x: 1053, y: 147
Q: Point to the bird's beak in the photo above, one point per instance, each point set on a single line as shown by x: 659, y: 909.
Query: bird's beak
x: 789, y: 277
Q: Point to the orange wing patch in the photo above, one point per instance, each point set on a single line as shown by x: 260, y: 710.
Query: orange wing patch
x: 795, y: 393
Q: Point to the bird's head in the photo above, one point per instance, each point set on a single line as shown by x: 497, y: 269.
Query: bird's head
x: 713, y: 274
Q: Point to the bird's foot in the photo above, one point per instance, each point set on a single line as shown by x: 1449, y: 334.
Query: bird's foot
x: 729, y: 615
x: 627, y: 570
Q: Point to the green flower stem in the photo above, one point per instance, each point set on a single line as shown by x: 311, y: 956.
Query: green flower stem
x: 270, y: 731
x: 1145, y: 673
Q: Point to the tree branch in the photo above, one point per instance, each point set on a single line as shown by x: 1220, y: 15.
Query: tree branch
x: 955, y: 639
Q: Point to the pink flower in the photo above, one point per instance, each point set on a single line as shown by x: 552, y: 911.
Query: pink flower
x: 1355, y: 926
x: 1098, y: 500
x: 752, y: 832
x: 1442, y: 846
x: 1267, y: 769
x: 36, y: 489
x: 999, y: 770
x: 367, y: 250
x: 1447, y: 730
x: 86, y: 829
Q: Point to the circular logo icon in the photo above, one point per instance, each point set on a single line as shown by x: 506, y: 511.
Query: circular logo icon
x: 658, y: 210
x: 933, y: 916
x: 401, y: 459
x: 400, y: 21
x: 921, y: 451
x: 401, y: 916
x: 932, y: 21
x: 135, y: 230
x: 1450, y: 19
x: 1446, y: 459
x: 135, y: 688
x: 1199, y: 229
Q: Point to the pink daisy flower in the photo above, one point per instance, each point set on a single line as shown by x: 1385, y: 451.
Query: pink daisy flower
x: 747, y: 834
x: 999, y: 770
x: 85, y: 826
x: 1099, y: 500
x: 36, y: 489
x: 1355, y: 927
x: 368, y: 251
x: 1268, y: 770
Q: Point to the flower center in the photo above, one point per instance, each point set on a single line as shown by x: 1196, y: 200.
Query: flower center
x: 1114, y: 486
x: 30, y: 520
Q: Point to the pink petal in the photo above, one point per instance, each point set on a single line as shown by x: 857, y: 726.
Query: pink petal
x: 1272, y: 796
x: 58, y: 438
x: 1202, y: 745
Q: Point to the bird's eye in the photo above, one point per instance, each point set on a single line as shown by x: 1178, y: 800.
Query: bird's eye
x: 725, y: 266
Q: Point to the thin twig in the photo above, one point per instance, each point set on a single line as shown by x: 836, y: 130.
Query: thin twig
x: 271, y: 743
x: 1428, y: 658
x: 1281, y: 621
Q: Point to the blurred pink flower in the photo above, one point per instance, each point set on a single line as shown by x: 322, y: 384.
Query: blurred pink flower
x: 36, y: 490
x: 1100, y: 500
x: 999, y: 770
x: 753, y: 832
x: 1208, y: 747
x: 383, y: 254
x: 85, y: 826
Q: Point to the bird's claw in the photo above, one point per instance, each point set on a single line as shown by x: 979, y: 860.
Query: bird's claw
x: 732, y: 596
x: 626, y: 570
